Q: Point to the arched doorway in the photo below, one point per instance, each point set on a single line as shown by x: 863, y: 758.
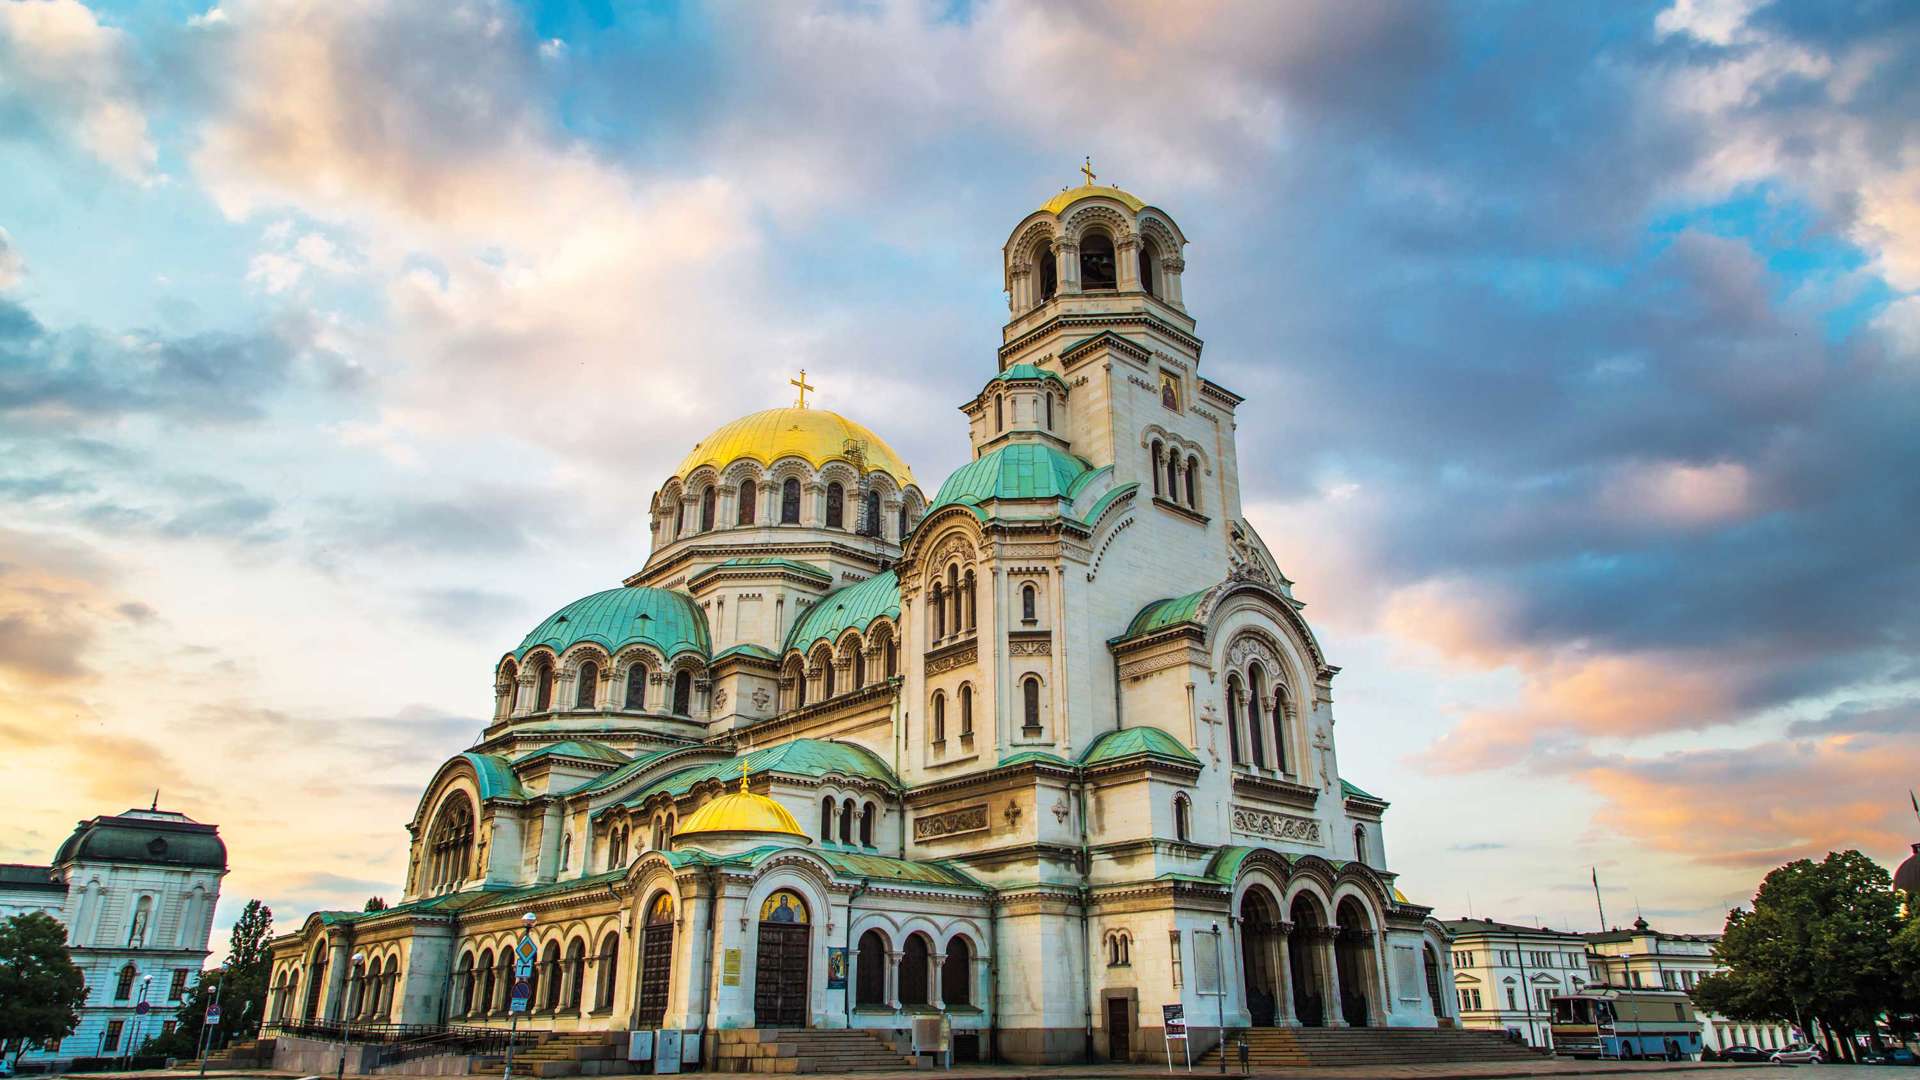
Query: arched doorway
x: 1259, y: 929
x: 780, y: 987
x: 870, y: 978
x: 1305, y: 961
x: 1353, y: 954
x: 656, y: 962
x: 916, y: 967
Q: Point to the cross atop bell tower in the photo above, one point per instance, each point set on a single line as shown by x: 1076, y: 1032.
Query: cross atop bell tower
x: 803, y: 386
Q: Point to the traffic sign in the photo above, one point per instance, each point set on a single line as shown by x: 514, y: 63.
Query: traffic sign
x: 521, y: 993
x: 213, y: 1014
x: 142, y: 1009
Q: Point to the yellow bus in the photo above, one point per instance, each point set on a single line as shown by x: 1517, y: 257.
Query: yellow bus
x: 1626, y: 1023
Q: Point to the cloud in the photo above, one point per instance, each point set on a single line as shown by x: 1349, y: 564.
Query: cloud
x: 13, y: 266
x: 64, y: 75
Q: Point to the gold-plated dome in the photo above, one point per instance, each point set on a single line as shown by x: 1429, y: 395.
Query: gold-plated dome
x: 817, y: 435
x: 740, y: 812
x: 1091, y: 191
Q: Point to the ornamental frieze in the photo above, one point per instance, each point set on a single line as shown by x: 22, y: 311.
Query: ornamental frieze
x: 1038, y: 645
x: 967, y: 819
x: 964, y: 658
x: 1272, y: 826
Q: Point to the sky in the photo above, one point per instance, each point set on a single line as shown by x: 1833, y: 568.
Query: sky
x: 343, y: 341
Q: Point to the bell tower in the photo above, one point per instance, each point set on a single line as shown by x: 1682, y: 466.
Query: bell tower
x: 1093, y: 282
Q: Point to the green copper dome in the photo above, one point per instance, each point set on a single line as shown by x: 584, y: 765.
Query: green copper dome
x: 669, y: 621
x: 1028, y: 470
x: 855, y: 606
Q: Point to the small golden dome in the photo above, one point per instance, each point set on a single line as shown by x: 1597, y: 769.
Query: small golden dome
x: 1399, y: 896
x: 1091, y: 191
x: 817, y: 435
x: 740, y: 812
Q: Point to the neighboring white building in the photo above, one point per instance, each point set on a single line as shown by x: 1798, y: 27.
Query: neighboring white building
x: 1647, y: 957
x: 1504, y: 975
x: 1032, y: 752
x: 136, y: 892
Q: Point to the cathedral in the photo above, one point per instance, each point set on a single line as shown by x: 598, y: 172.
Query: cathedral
x: 1044, y: 752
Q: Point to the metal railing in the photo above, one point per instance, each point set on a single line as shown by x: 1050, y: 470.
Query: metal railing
x: 405, y: 1042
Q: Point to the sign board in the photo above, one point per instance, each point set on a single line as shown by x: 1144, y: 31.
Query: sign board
x: 836, y: 968
x: 666, y: 1052
x: 1175, y: 1019
x: 524, y: 956
x: 1206, y: 965
x: 521, y: 994
x: 640, y: 1046
x: 213, y: 1013
x: 142, y: 1009
x: 730, y: 968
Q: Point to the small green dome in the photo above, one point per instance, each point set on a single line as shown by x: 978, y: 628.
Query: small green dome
x: 669, y: 621
x: 1027, y: 371
x: 1129, y: 742
x: 1027, y: 470
x: 855, y: 606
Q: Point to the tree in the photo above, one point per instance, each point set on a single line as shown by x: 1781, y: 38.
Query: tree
x: 1818, y: 946
x: 241, y: 982
x: 41, y: 989
x: 375, y: 903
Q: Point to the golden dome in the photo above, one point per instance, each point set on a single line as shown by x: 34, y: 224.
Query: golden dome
x: 817, y: 435
x: 1091, y: 191
x: 740, y: 812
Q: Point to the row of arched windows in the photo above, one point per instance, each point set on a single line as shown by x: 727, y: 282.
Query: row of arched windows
x: 853, y: 820
x: 449, y: 855
x: 824, y: 663
x: 1256, y: 722
x: 1175, y: 479
x: 963, y: 699
x: 631, y: 694
x: 915, y: 975
x: 482, y: 984
x: 1000, y: 411
x: 1099, y: 266
x: 953, y: 606
x: 866, y: 509
x: 370, y: 990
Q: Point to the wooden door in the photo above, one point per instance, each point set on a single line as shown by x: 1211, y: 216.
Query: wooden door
x: 656, y: 974
x: 780, y: 976
x: 1119, y: 1030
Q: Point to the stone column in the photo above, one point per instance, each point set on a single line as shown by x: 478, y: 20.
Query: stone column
x: 1284, y: 1015
x: 893, y: 981
x: 1067, y: 266
x: 1329, y: 955
x: 934, y: 993
x: 1170, y: 267
x: 1126, y: 257
x: 1377, y: 956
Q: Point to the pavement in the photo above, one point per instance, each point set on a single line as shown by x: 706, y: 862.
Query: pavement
x: 1499, y: 1070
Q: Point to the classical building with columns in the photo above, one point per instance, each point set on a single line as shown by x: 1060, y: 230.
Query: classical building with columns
x: 1043, y: 752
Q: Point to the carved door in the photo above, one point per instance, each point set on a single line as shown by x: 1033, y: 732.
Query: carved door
x: 780, y: 976
x: 1119, y: 1030
x: 656, y: 975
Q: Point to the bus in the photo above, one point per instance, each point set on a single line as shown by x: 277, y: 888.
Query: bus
x: 1625, y: 1022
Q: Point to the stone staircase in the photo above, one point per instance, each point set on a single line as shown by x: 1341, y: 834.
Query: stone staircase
x: 569, y: 1053
x: 252, y: 1054
x: 1280, y: 1048
x: 809, y: 1050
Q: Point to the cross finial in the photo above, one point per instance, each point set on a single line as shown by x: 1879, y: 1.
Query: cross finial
x: 1086, y: 170
x: 803, y: 386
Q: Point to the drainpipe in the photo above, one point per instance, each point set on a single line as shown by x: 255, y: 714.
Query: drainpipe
x: 1086, y: 902
x: 712, y: 1007
x: 847, y: 992
x: 993, y: 970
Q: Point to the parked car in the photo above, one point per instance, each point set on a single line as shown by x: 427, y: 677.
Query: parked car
x: 1742, y: 1052
x: 1799, y: 1054
x: 1898, y: 1055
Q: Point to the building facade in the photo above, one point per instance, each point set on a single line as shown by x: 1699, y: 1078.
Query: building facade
x: 1044, y: 752
x: 1643, y: 956
x: 1505, y: 975
x: 136, y: 892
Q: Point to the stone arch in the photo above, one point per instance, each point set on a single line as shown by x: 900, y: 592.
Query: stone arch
x: 1097, y: 215
x: 916, y: 968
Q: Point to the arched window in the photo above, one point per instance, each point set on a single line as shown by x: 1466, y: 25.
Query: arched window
x: 1148, y: 251
x: 1173, y: 476
x: 706, y: 510
x: 587, y: 680
x: 790, y: 502
x: 609, y: 970
x: 858, y: 666
x: 1049, y: 412
x: 1233, y: 718
x: 893, y: 658
x: 953, y: 590
x: 826, y: 819
x: 914, y: 971
x: 637, y: 686
x: 1157, y: 455
x: 903, y: 523
x: 450, y: 850
x: 847, y: 813
x: 683, y: 693
x: 1049, y: 272
x: 549, y: 999
x: 937, y: 603
x: 826, y: 677
x: 1097, y: 269
x: 1256, y: 684
x: 956, y: 975
x: 870, y: 517
x: 1280, y: 727
x: 1182, y: 819
x: 485, y: 975
x: 870, y: 981
x: 939, y: 717
x: 464, y: 1007
x: 543, y: 686
x: 1193, y: 488
x: 576, y: 972
x: 999, y: 413
x: 836, y: 506
x: 1030, y: 704
x: 966, y: 710
x: 797, y: 675
x: 566, y: 850
x: 1029, y: 603
x: 1360, y: 845
x: 123, y: 989
x: 866, y: 825
x: 748, y: 492
x: 973, y: 602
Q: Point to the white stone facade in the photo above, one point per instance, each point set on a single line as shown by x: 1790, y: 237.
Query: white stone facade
x: 1504, y: 975
x: 1643, y: 956
x: 1065, y: 712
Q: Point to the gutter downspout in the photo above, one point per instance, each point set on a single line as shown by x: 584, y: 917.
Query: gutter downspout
x: 1086, y: 902
x: 993, y: 970
x: 848, y: 992
x: 711, y: 1008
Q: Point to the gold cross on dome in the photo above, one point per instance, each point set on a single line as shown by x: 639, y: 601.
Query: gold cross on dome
x: 1086, y: 170
x: 803, y: 385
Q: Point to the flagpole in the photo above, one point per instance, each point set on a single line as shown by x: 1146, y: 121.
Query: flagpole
x: 1596, y: 898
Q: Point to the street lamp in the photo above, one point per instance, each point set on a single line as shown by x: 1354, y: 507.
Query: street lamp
x: 340, y: 1015
x: 209, y: 1023
x: 1220, y: 988
x: 139, y: 1018
x: 518, y: 994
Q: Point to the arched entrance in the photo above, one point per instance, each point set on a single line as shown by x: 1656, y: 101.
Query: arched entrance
x: 780, y: 989
x: 1433, y: 983
x: 1353, y: 953
x: 1260, y: 931
x: 656, y: 962
x: 1306, y: 960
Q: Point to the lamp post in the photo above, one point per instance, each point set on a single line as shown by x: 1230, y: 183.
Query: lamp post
x: 209, y: 1023
x: 340, y: 1015
x: 139, y: 1020
x: 1220, y: 989
x: 517, y: 996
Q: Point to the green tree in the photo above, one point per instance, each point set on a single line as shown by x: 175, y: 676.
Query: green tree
x: 241, y: 983
x: 375, y: 903
x: 1817, y: 946
x: 41, y: 989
